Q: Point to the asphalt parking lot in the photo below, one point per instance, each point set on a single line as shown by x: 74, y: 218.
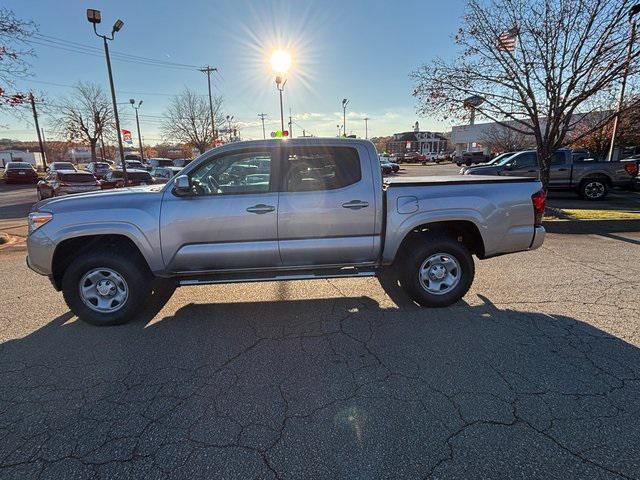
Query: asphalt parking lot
x: 536, y: 374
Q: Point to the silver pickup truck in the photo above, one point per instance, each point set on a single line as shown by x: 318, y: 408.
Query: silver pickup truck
x: 279, y: 210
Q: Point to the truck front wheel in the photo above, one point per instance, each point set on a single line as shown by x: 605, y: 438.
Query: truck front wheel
x: 106, y: 287
x: 437, y: 272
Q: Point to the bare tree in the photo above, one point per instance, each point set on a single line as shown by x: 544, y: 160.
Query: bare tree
x: 14, y: 34
x: 537, y: 66
x: 188, y: 120
x: 85, y: 116
x: 503, y: 139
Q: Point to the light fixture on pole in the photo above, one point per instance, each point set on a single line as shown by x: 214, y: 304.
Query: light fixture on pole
x: 633, y: 11
x: 344, y: 116
x: 94, y: 17
x: 280, y: 63
x: 136, y: 107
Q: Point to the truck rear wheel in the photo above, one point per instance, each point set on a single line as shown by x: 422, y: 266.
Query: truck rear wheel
x: 593, y: 188
x: 106, y: 288
x: 437, y: 272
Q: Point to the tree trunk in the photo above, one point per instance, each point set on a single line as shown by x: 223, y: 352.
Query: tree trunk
x: 544, y: 163
x: 92, y: 144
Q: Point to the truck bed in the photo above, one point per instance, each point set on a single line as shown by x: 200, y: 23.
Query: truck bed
x: 452, y: 180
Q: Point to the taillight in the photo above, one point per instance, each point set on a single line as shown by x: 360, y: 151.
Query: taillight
x: 539, y: 199
x: 631, y: 168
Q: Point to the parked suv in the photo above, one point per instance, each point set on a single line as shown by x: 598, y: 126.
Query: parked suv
x: 64, y: 182
x: 99, y: 169
x: 115, y: 179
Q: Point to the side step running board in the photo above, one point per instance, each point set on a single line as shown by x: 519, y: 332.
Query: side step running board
x: 275, y: 277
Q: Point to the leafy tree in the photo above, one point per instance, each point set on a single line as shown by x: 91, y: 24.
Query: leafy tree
x: 85, y: 116
x: 188, y: 119
x: 538, y: 67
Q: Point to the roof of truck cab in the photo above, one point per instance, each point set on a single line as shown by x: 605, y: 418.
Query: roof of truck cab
x: 454, y: 179
x: 296, y: 142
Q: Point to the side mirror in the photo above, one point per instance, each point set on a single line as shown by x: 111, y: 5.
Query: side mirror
x: 182, y: 186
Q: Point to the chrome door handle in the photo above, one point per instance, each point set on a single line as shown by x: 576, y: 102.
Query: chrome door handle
x: 355, y: 204
x: 261, y: 208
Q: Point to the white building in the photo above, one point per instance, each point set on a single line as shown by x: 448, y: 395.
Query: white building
x: 34, y: 158
x: 79, y: 155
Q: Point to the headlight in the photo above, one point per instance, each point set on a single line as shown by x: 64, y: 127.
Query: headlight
x: 37, y: 219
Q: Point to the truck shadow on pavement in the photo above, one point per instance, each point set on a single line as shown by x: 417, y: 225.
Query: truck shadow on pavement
x: 326, y: 388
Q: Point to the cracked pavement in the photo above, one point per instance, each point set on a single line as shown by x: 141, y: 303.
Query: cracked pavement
x: 535, y: 375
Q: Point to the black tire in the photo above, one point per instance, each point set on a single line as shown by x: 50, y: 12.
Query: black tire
x: 594, y: 189
x: 124, y: 263
x: 419, y: 252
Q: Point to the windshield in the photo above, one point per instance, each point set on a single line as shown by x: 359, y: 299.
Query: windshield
x: 16, y: 165
x: 501, y: 160
x: 63, y: 166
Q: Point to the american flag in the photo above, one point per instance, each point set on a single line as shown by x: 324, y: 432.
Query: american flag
x: 507, y: 40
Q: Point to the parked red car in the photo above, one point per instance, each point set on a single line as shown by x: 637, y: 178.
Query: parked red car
x: 65, y: 182
x: 20, y: 172
x: 115, y: 179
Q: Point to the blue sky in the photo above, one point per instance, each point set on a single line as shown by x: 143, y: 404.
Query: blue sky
x: 362, y: 50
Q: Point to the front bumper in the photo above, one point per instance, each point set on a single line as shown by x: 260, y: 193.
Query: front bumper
x: 40, y: 250
x: 538, y: 237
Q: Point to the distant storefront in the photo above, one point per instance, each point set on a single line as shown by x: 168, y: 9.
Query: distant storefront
x: 418, y: 141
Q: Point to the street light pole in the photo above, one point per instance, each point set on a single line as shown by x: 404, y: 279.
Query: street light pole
x: 94, y: 17
x: 280, y: 62
x: 133, y: 104
x: 344, y: 116
x: 616, y: 120
x: 366, y: 128
x: 280, y: 86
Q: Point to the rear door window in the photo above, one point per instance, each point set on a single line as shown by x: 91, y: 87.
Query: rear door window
x: 308, y: 169
x: 76, y: 178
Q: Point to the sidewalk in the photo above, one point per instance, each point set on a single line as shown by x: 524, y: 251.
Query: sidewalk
x: 17, y: 230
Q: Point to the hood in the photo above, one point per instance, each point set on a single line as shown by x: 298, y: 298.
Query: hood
x: 97, y: 199
x: 483, y: 170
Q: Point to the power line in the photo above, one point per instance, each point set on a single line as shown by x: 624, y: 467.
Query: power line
x: 87, y: 51
x: 52, y: 39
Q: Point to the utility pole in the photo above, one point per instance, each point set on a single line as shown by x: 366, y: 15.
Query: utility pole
x: 262, y: 117
x: 44, y: 142
x: 35, y: 120
x: 366, y: 128
x: 208, y: 71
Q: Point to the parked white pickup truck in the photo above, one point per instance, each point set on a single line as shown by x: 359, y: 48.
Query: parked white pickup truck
x: 279, y: 210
